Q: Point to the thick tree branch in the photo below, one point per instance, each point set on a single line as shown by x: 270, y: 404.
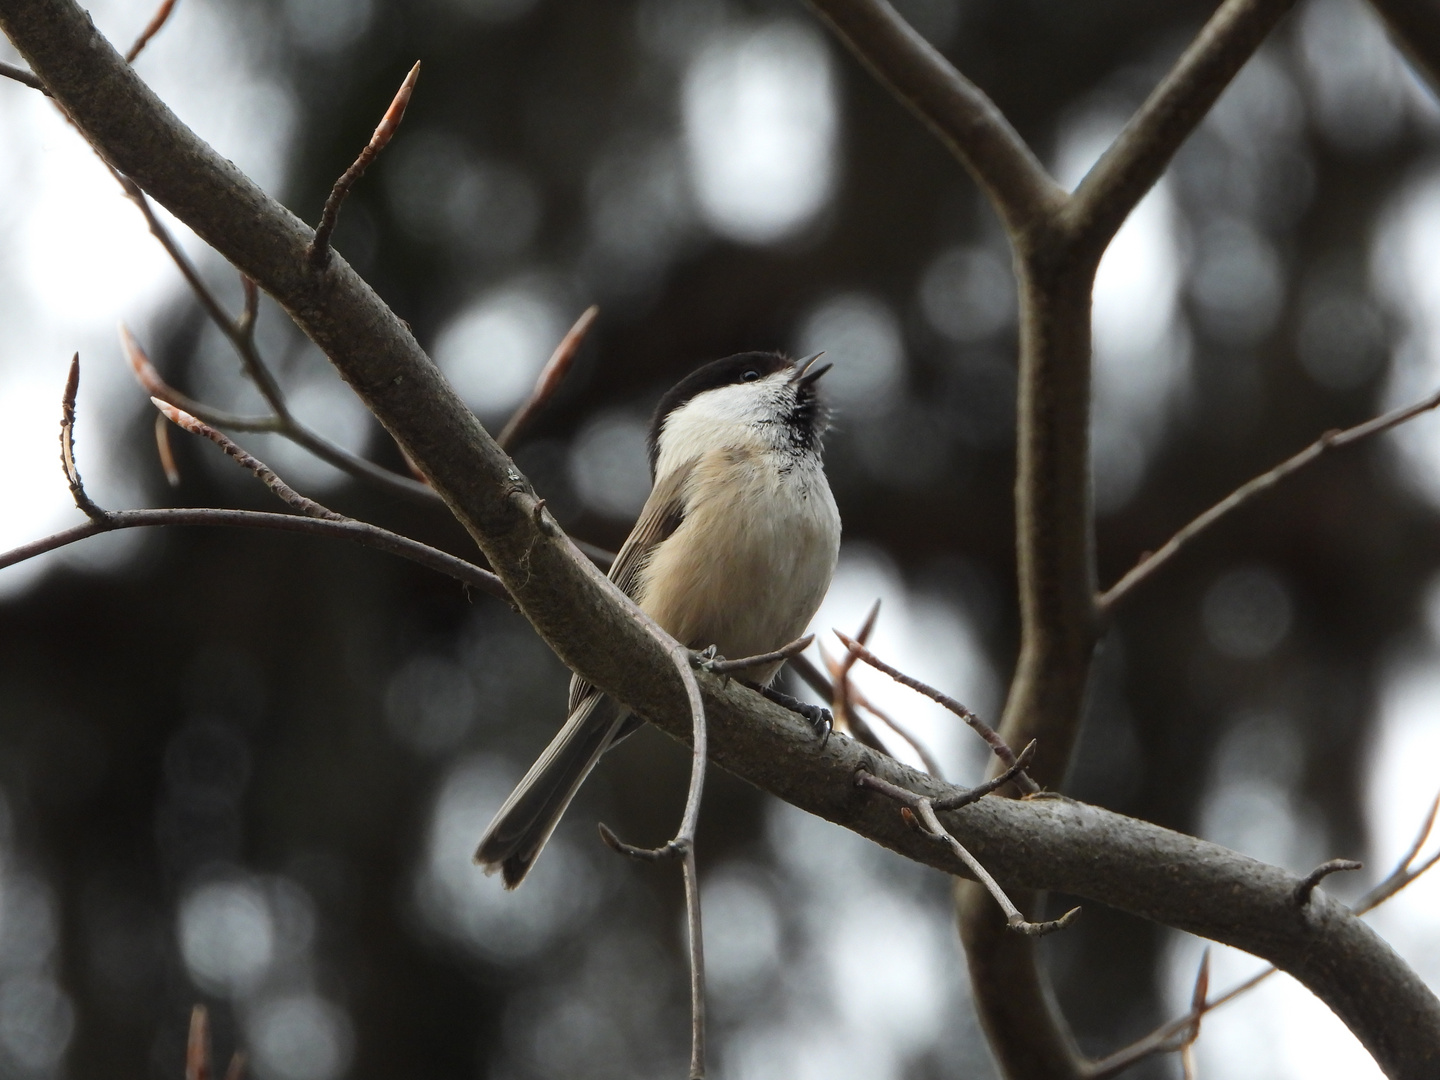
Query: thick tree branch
x: 953, y: 107
x: 1038, y: 844
x: 1132, y: 164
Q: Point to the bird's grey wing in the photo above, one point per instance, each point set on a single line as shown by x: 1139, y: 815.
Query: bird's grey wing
x: 661, y: 515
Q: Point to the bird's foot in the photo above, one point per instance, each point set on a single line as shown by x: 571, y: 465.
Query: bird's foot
x: 707, y: 659
x: 817, y: 716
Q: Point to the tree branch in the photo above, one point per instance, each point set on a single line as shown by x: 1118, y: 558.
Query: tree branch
x: 1331, y: 440
x: 1036, y: 844
x: 951, y: 106
x: 358, y: 532
x: 1132, y: 164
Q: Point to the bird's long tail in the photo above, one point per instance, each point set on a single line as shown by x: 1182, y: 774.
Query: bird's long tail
x: 528, y: 817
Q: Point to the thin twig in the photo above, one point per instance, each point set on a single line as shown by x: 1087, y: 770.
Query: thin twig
x: 840, y: 673
x: 1132, y: 164
x: 785, y: 652
x: 165, y: 451
x: 281, y: 423
x: 162, y: 13
x: 197, y: 1045
x: 860, y: 730
x: 319, y: 252
x: 929, y: 760
x: 694, y: 934
x: 246, y: 460
x: 551, y: 375
x: 682, y: 846
x: 20, y: 75
x: 67, y: 445
x: 855, y: 699
x: 359, y: 532
x: 984, y: 730
x: 1403, y: 875
x: 1306, y: 885
x: 995, y: 783
x: 922, y: 809
x: 1331, y: 440
x: 953, y: 107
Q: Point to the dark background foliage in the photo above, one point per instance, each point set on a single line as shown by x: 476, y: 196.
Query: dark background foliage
x: 245, y: 708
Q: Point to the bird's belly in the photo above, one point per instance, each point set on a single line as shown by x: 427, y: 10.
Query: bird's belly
x: 746, y: 574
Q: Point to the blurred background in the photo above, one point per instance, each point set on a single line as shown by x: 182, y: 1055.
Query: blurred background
x: 248, y: 770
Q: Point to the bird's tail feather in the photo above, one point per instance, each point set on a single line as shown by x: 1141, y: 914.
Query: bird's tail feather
x: 528, y: 817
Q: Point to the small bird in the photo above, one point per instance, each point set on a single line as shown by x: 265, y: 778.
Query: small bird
x: 734, y: 548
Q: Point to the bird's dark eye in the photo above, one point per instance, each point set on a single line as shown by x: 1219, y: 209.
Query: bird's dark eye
x: 750, y: 376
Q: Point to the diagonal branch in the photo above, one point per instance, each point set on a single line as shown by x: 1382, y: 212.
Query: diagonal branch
x: 950, y: 105
x: 358, y: 532
x: 551, y: 375
x: 1132, y: 164
x: 1331, y: 440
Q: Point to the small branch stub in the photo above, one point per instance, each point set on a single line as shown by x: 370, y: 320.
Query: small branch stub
x: 1306, y: 886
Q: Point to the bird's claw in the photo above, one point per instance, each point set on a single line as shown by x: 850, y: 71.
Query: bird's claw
x: 706, y: 659
x: 820, y: 719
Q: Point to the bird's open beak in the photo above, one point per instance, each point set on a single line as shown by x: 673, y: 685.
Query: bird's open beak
x: 805, y: 372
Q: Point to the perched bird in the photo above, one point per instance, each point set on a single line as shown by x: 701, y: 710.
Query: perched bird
x: 734, y: 548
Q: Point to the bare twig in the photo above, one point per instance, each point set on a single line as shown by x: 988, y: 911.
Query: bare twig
x: 282, y: 422
x: 931, y: 763
x: 1306, y: 885
x: 953, y: 107
x: 162, y: 13
x: 1133, y: 163
x: 860, y: 729
x: 67, y: 445
x: 682, y: 846
x: 840, y: 672
x: 1403, y: 875
x: 359, y: 532
x: 165, y: 451
x: 995, y: 783
x: 197, y: 1045
x: 1331, y: 440
x: 319, y: 253
x: 786, y: 652
x: 984, y: 730
x: 246, y: 460
x: 20, y: 75
x: 846, y: 704
x: 922, y: 808
x: 553, y: 373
